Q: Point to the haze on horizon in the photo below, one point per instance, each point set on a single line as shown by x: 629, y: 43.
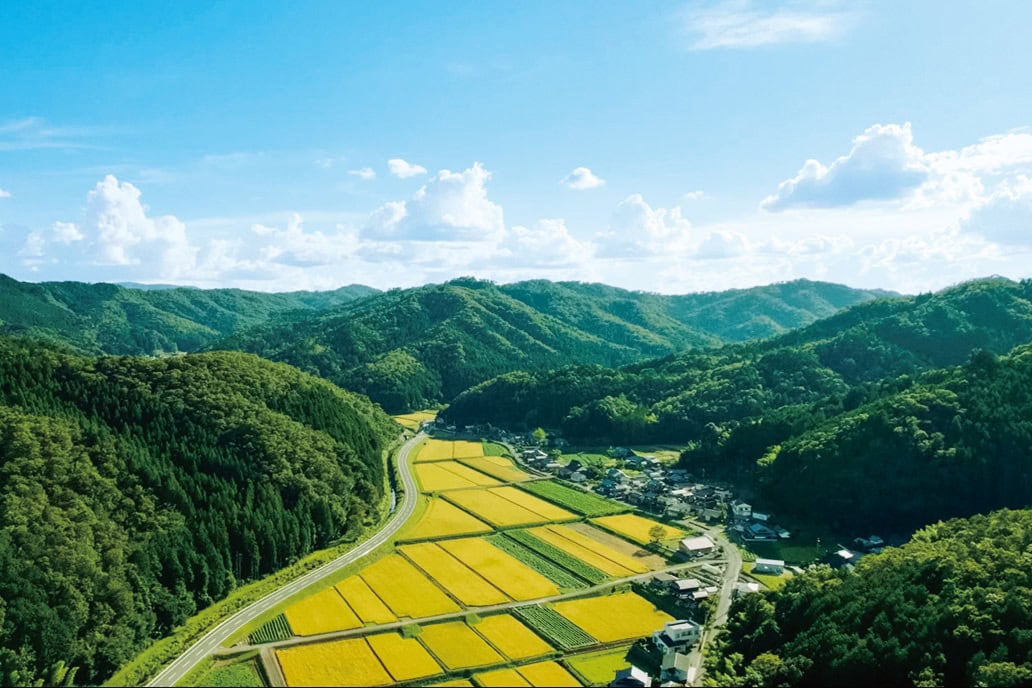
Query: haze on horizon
x: 672, y: 147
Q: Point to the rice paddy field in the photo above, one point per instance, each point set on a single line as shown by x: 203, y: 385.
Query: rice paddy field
x: 412, y: 421
x: 636, y: 528
x: 457, y: 646
x: 444, y: 519
x: 450, y: 562
x: 511, y: 637
x: 507, y: 506
x: 620, y: 616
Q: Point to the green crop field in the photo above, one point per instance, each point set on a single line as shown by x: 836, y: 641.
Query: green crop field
x: 557, y: 574
x: 559, y: 631
x: 578, y: 500
x: 276, y: 629
x: 564, y: 559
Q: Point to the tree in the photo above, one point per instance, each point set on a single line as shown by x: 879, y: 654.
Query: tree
x: 656, y: 534
x: 539, y: 436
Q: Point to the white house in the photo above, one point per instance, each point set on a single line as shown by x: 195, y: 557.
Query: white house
x: 774, y: 567
x: 740, y: 509
x: 674, y: 667
x: 697, y: 546
x: 677, y: 635
x: 632, y: 677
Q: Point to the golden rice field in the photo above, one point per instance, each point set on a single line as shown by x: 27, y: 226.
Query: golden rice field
x: 457, y: 646
x: 636, y: 528
x: 364, y: 602
x: 547, y: 674
x: 412, y: 421
x: 349, y: 662
x: 511, y: 637
x: 505, y: 572
x: 450, y: 475
x: 435, y: 450
x: 405, y: 658
x: 453, y: 683
x: 500, y: 678
x: 621, y: 616
x: 497, y: 467
x: 462, y: 449
x: 322, y: 612
x: 405, y: 590
x: 545, y: 510
x: 603, y: 558
x: 444, y: 519
x: 463, y: 583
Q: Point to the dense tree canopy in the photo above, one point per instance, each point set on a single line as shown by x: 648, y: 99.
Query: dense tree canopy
x: 134, y: 492
x: 950, y: 607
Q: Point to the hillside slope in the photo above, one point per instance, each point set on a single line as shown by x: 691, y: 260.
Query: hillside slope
x: 111, y: 319
x: 134, y: 492
x: 949, y: 608
x: 408, y: 348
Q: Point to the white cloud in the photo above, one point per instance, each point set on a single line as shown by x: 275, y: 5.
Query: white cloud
x: 403, y: 169
x: 723, y: 244
x: 742, y: 24
x: 581, y: 179
x: 67, y: 233
x: 883, y: 164
x: 696, y: 195
x: 637, y: 228
x: 295, y: 246
x: 365, y: 173
x: 4, y: 193
x: 451, y: 206
x: 549, y: 244
x: 1005, y: 216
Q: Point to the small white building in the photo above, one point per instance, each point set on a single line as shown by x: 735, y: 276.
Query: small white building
x: 774, y: 567
x: 740, y: 509
x: 677, y: 635
x: 697, y: 546
x: 674, y: 667
x: 631, y: 677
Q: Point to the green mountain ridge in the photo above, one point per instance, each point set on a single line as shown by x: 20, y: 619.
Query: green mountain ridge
x: 135, y: 491
x: 414, y: 347
x: 112, y: 319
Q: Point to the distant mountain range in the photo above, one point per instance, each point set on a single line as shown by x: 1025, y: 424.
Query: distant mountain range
x: 113, y: 319
x: 407, y: 348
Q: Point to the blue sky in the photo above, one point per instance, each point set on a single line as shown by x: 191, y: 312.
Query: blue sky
x: 665, y: 146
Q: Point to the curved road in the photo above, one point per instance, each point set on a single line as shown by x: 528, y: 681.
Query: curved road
x: 218, y: 635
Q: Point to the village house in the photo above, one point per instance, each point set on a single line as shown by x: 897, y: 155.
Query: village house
x: 773, y: 567
x: 741, y: 510
x: 683, y: 587
x: 745, y: 589
x: 677, y: 635
x: 631, y: 677
x: 674, y: 668
x: 694, y: 547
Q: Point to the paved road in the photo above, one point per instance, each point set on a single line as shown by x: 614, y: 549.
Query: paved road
x: 218, y: 635
x: 731, y: 572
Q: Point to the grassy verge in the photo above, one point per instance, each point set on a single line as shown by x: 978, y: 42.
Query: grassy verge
x: 242, y: 671
x: 495, y: 449
x: 598, y: 668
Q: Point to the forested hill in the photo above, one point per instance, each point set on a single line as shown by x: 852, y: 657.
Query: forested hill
x: 826, y: 366
x: 407, y: 348
x: 134, y: 492
x: 949, y: 608
x: 112, y: 319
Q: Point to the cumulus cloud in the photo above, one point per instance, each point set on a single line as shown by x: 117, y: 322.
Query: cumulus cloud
x: 451, y: 206
x: 365, y: 173
x: 296, y: 246
x: 883, y: 164
x: 66, y: 233
x: 581, y: 179
x: 403, y: 169
x: 637, y: 228
x: 548, y: 243
x: 743, y: 24
x: 723, y: 244
x: 1005, y: 216
x: 696, y: 195
x: 4, y: 193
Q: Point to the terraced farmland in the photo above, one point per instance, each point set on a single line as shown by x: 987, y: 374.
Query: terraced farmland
x: 563, y: 559
x: 458, y: 647
x: 511, y: 637
x: 546, y: 567
x: 444, y: 519
x: 637, y: 528
x: 620, y: 616
x: 559, y: 631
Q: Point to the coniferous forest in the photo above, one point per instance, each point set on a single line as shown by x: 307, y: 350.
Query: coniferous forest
x: 134, y: 492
